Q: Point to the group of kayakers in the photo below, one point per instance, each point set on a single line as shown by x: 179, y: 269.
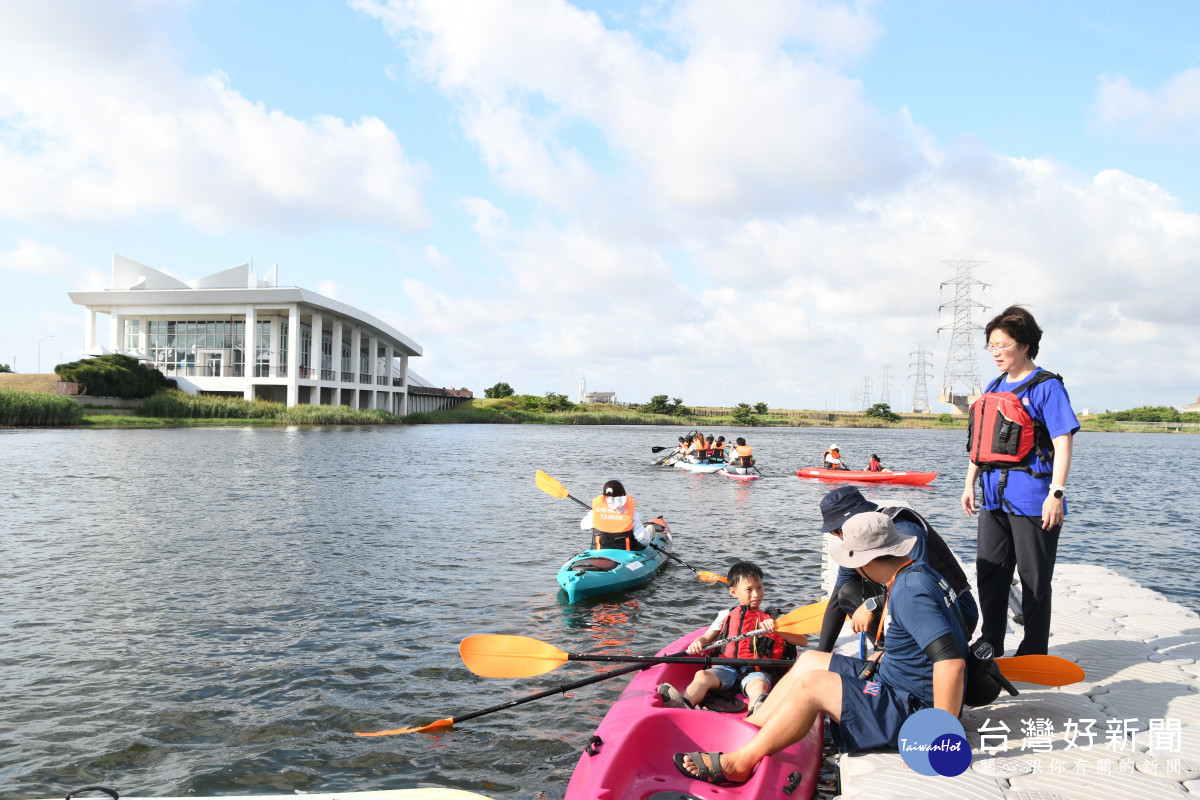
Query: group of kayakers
x: 898, y: 581
x: 696, y: 448
x: 833, y: 460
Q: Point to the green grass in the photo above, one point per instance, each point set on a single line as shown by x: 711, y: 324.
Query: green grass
x: 36, y: 410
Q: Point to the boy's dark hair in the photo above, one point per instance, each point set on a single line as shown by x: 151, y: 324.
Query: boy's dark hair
x: 743, y: 570
x: 741, y: 442
x: 1018, y: 323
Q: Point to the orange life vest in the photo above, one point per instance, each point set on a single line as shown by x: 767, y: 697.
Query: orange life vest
x: 744, y: 452
x: 609, y: 520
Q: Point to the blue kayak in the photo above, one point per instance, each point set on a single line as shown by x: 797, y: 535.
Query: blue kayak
x: 594, y: 572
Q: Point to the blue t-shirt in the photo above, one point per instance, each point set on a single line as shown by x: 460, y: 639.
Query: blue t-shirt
x: 1050, y: 406
x: 918, y: 614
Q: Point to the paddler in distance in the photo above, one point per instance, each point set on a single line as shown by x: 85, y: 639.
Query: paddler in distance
x: 741, y: 458
x: 614, y: 521
x: 833, y: 458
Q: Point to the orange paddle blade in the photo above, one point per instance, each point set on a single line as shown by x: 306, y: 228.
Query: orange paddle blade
x: 806, y: 619
x: 1042, y: 670
x: 433, y: 726
x: 548, y: 485
x: 509, y: 656
x: 711, y: 577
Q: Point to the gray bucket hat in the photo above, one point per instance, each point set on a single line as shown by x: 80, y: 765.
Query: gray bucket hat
x: 866, y: 537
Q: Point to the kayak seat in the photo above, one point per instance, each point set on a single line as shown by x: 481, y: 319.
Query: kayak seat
x: 594, y: 564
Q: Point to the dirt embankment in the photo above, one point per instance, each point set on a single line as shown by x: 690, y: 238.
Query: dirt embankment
x: 28, y: 382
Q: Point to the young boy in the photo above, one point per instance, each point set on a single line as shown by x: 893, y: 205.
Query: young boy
x: 745, y: 584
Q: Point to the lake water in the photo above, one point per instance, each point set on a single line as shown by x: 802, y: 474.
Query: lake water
x: 214, y: 611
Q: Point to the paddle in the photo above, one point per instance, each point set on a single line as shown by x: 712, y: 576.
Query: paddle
x: 660, y: 449
x: 555, y: 489
x: 492, y: 656
x: 522, y: 657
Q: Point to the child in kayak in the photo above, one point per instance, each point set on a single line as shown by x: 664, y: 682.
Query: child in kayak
x: 875, y: 465
x: 746, y: 586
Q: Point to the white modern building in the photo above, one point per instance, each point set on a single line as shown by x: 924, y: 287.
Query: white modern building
x: 233, y: 333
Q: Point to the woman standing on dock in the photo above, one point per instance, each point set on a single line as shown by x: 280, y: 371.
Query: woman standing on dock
x: 1020, y: 437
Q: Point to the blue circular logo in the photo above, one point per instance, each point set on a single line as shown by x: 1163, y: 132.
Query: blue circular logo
x: 933, y: 742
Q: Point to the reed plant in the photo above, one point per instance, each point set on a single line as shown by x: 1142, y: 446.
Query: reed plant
x: 37, y: 410
x: 176, y: 404
x: 336, y: 415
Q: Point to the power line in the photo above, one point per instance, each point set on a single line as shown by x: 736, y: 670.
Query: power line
x: 884, y: 389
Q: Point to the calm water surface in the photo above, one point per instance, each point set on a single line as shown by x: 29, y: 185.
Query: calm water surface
x: 214, y: 611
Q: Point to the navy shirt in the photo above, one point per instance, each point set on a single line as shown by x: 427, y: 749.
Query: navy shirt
x: 1050, y: 406
x: 918, y: 614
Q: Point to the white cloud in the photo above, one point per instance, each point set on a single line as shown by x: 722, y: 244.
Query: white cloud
x: 37, y: 258
x: 99, y: 123
x: 1170, y: 113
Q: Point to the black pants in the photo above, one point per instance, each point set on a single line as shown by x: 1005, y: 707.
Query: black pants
x: 844, y: 600
x: 1008, y: 542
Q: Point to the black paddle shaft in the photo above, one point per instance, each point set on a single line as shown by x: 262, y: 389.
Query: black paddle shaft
x: 566, y: 687
x: 703, y: 661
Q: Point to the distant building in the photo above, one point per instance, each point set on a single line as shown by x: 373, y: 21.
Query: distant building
x: 232, y: 333
x: 1191, y: 406
x: 599, y: 397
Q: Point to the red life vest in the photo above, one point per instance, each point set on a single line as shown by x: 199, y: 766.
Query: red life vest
x: 744, y: 619
x: 874, y: 466
x: 1000, y: 432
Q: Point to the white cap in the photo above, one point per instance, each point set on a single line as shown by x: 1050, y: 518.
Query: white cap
x: 833, y: 447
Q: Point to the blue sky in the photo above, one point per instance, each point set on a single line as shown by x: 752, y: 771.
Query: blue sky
x: 754, y: 203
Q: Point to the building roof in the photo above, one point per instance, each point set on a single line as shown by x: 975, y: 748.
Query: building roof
x: 135, y: 284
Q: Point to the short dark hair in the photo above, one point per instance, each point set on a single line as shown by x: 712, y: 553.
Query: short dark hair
x: 741, y: 441
x: 744, y: 570
x: 614, y: 488
x: 1018, y: 323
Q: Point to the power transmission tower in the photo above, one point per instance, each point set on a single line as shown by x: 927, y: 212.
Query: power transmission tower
x: 962, y: 358
x: 864, y: 394
x: 921, y: 374
x: 884, y: 389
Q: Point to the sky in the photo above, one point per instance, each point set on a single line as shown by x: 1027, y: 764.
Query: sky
x: 720, y: 202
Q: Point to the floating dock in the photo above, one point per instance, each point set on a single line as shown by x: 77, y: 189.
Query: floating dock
x: 1132, y: 729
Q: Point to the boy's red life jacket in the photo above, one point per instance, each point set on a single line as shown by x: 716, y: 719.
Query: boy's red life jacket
x: 1000, y: 432
x: 744, y: 619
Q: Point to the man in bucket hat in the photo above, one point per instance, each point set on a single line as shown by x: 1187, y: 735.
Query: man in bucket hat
x: 861, y: 600
x: 923, y: 666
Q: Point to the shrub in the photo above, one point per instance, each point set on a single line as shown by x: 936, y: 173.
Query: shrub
x: 744, y: 414
x: 34, y: 409
x: 498, y: 391
x: 113, y: 375
x: 658, y: 405
x: 761, y: 408
x: 945, y: 419
x: 882, y: 412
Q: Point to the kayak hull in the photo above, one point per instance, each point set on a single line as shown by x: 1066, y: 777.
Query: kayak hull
x: 703, y: 468
x: 595, y: 572
x: 638, y: 737
x: 751, y: 476
x: 899, y: 476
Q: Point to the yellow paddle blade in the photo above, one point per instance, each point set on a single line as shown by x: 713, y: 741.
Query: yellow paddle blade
x: 549, y: 485
x: 495, y: 656
x: 433, y: 726
x: 806, y: 619
x: 1042, y: 670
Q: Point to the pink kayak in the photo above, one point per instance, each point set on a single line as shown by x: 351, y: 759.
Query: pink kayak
x: 630, y: 757
x: 749, y: 476
x: 900, y: 476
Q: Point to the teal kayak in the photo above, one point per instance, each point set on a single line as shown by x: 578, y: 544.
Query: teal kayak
x: 594, y: 572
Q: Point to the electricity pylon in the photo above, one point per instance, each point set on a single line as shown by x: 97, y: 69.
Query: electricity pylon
x: 962, y: 358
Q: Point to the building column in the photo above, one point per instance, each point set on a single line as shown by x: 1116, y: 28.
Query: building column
x: 336, y: 361
x: 355, y: 358
x: 404, y: 385
x: 315, y: 358
x: 89, y: 330
x: 389, y: 396
x: 114, y: 332
x: 144, y: 336
x: 249, y: 350
x: 293, y: 355
x: 373, y: 368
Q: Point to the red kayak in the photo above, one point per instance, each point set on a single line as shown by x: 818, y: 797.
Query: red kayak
x: 900, y: 476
